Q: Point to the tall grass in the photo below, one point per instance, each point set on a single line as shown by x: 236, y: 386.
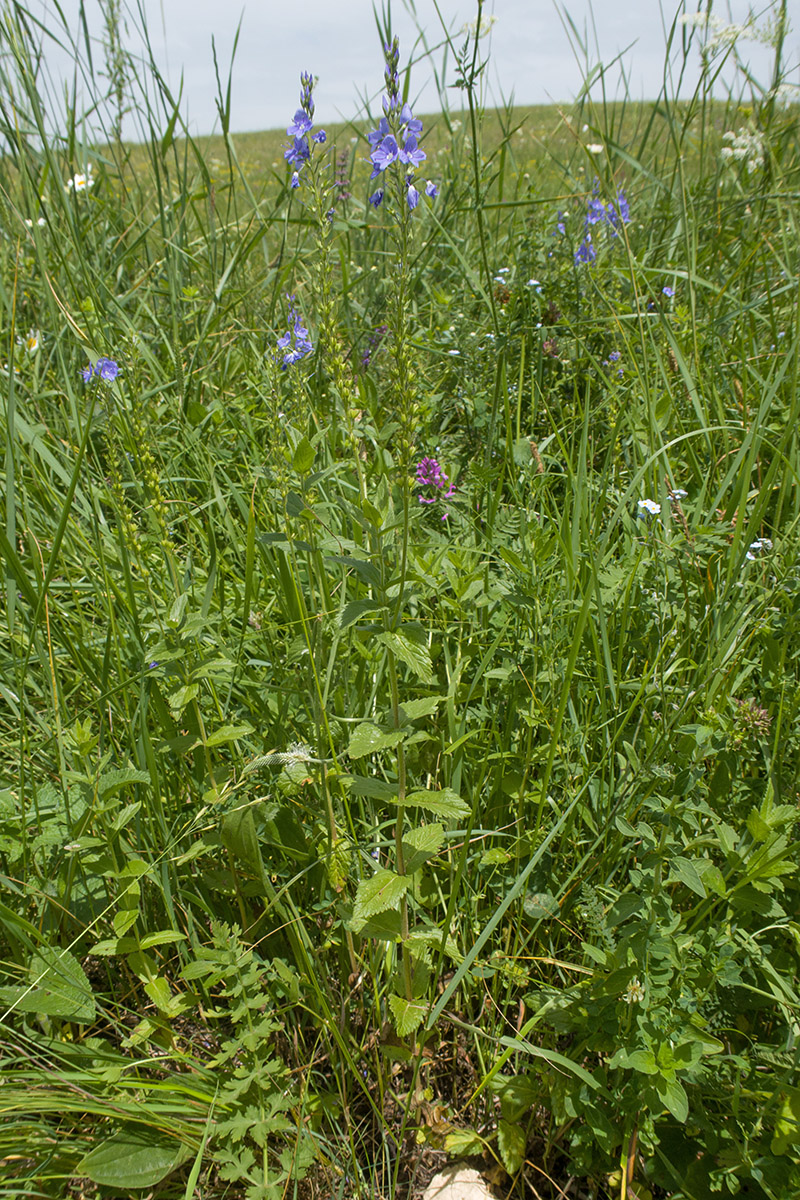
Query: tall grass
x: 340, y: 833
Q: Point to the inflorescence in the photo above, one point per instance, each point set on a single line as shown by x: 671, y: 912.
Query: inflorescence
x: 395, y: 141
x: 610, y: 216
x: 296, y: 332
x: 105, y: 369
x: 431, y: 476
x: 299, y: 152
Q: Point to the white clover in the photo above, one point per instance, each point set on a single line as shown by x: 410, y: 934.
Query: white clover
x: 634, y: 993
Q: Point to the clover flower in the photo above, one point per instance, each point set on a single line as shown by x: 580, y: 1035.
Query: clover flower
x: 105, y: 369
x: 649, y: 508
x: 431, y: 476
x: 296, y: 333
x: 634, y: 992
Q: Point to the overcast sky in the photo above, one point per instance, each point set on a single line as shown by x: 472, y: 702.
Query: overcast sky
x: 535, y: 54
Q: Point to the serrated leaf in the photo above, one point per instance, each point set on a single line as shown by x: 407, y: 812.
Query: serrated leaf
x: 133, y: 1158
x: 408, y: 1014
x: 368, y: 739
x: 162, y: 939
x: 112, y: 781
x: 228, y: 733
x: 421, y: 844
x: 159, y: 993
x: 112, y: 946
x: 384, y: 927
x: 445, y: 803
x: 355, y: 610
x: 414, y: 709
x: 511, y: 1144
x: 415, y: 657
x: 421, y: 940
x: 376, y: 789
x: 303, y: 457
x: 463, y: 1143
x: 383, y: 891
x: 178, y: 609
x: 124, y: 919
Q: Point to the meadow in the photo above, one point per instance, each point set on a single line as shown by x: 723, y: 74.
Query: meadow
x: 399, y: 660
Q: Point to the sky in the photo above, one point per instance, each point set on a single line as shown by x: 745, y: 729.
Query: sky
x: 540, y: 51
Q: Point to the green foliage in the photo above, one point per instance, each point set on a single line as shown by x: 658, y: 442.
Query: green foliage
x: 333, y: 822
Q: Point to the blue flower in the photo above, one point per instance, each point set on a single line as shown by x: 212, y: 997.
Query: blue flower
x: 297, y: 332
x: 321, y: 137
x: 301, y: 124
x: 384, y: 154
x: 380, y: 133
x: 87, y: 373
x: 298, y: 152
x: 376, y: 198
x: 586, y: 252
x: 596, y: 211
x: 295, y: 180
x: 410, y: 153
x: 407, y: 118
x: 413, y: 196
x: 105, y: 369
x: 431, y: 189
x: 668, y: 292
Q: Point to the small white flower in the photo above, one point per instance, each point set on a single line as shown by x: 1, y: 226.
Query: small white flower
x: 534, y: 283
x: 595, y: 148
x: 81, y: 182
x: 649, y: 506
x: 758, y: 548
x: 470, y: 28
x: 634, y: 992
x: 746, y: 146
x: 454, y: 353
x: 41, y: 221
x: 32, y: 342
x: 678, y: 494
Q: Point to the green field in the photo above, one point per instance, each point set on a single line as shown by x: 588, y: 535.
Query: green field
x: 399, y: 661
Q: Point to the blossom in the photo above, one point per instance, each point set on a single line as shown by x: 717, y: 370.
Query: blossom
x: 411, y: 154
x: 376, y: 198
x: 650, y: 507
x: 431, y: 189
x: 105, y: 369
x: 296, y: 332
x: 745, y: 146
x: 411, y: 123
x: 431, y: 476
x: 586, y: 252
x: 634, y: 993
x: 412, y: 195
x: 295, y: 181
x: 301, y: 124
x: 81, y: 182
x: 32, y: 342
x: 320, y: 137
x: 472, y: 29
x: 667, y: 291
x: 595, y: 148
x: 759, y: 548
x: 596, y: 211
x: 298, y: 152
x: 40, y: 221
x: 384, y: 154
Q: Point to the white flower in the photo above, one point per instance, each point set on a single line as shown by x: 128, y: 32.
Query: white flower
x: 595, y: 148
x: 787, y: 93
x: 678, y: 494
x: 634, y: 992
x: 32, y: 342
x: 758, y: 548
x: 649, y: 506
x: 81, y: 182
x: 41, y: 221
x: 746, y: 147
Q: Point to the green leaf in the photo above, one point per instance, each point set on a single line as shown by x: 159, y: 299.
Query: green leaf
x: 643, y: 1061
x: 445, y: 803
x: 178, y: 609
x: 414, y: 709
x: 408, y: 1014
x: 134, y: 1157
x: 161, y: 939
x: 511, y: 1144
x: 674, y: 1096
x: 303, y: 459
x: 124, y: 919
x: 540, y: 905
x: 355, y: 610
x: 787, y: 1126
x: 415, y: 657
x: 383, y: 891
x: 183, y: 696
x: 685, y: 870
x: 463, y: 1143
x: 421, y: 844
x: 238, y: 832
x: 113, y: 781
x: 59, y: 988
x: 228, y: 733
x: 518, y: 1093
x: 367, y: 739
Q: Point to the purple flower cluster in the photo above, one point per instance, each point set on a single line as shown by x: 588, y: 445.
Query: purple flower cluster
x: 299, y: 150
x: 431, y: 476
x: 613, y: 216
x: 105, y: 369
x: 396, y: 138
x: 296, y: 332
